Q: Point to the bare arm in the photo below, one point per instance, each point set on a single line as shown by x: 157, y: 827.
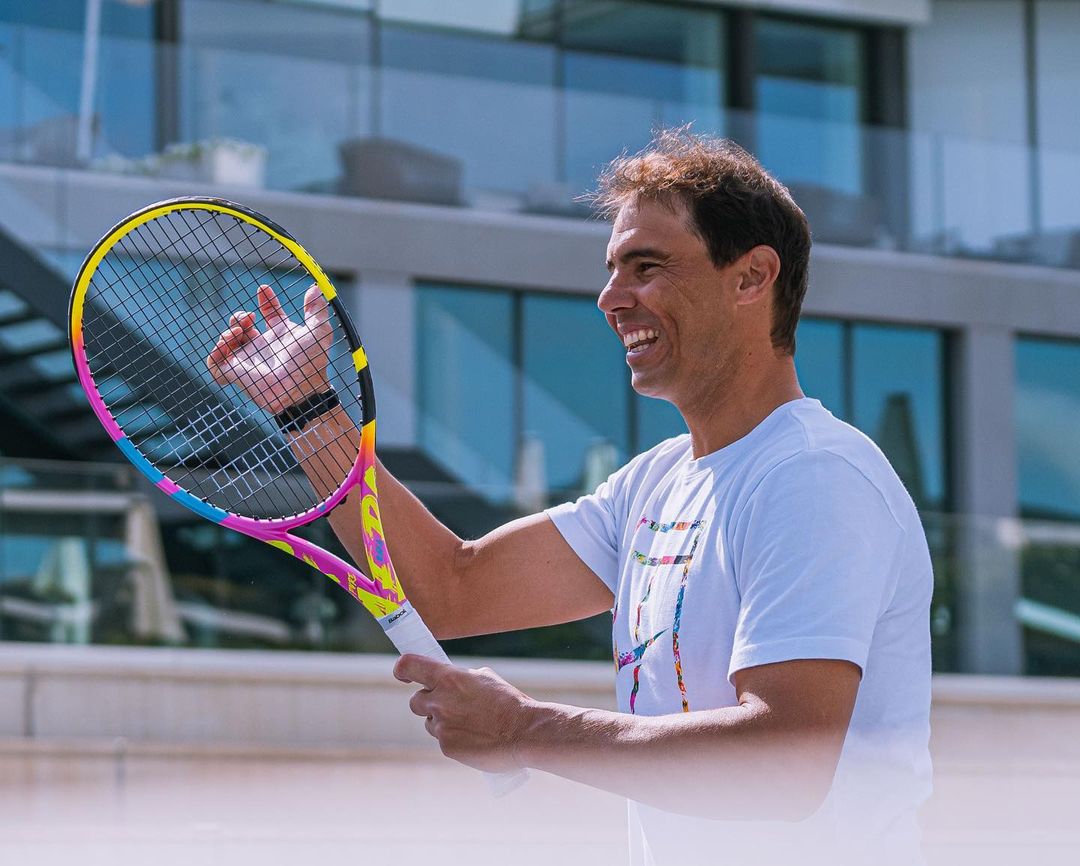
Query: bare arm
x: 773, y: 756
x: 521, y: 575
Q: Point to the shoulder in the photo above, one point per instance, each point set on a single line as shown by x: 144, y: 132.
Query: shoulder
x: 816, y: 459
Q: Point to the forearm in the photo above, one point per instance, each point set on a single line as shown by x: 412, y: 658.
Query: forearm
x: 519, y: 575
x: 730, y: 763
x: 425, y: 562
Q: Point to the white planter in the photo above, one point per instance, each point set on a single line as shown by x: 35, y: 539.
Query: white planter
x: 216, y: 162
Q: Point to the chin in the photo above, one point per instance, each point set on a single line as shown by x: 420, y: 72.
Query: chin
x: 648, y: 386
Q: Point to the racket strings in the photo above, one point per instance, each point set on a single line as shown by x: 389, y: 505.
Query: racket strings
x: 152, y: 285
x: 279, y: 460
x: 155, y: 309
x: 149, y: 351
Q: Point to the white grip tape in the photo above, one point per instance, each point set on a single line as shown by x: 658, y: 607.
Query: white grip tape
x: 410, y: 634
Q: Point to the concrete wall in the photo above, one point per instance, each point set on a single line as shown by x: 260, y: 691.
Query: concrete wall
x: 238, y: 698
x: 317, y: 700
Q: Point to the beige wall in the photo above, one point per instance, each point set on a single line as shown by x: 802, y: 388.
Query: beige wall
x: 314, y: 700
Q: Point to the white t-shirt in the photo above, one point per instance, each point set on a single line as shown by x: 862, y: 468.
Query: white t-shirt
x: 797, y: 541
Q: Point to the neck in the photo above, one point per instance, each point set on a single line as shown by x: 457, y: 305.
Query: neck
x: 732, y: 408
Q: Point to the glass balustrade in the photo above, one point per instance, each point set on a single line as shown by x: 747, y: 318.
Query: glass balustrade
x: 471, y: 120
x: 85, y: 558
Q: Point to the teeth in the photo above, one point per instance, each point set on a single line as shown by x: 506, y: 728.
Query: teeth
x: 631, y: 340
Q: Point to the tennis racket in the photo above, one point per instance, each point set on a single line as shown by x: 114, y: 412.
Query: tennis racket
x: 251, y: 428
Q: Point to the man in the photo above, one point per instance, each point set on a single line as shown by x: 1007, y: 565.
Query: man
x: 768, y: 574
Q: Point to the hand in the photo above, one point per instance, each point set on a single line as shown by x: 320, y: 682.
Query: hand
x: 281, y: 365
x: 477, y: 717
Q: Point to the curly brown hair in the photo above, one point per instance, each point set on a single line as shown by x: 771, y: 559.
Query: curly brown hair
x: 734, y: 205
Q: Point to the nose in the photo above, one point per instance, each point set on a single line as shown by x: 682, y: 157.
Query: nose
x: 615, y: 296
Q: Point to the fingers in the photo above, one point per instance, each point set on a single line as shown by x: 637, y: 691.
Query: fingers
x: 420, y: 704
x: 317, y: 314
x: 411, y: 668
x: 270, y: 307
x: 241, y: 329
x: 246, y: 322
x: 229, y: 341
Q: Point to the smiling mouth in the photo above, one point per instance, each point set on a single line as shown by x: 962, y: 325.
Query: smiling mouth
x: 638, y: 341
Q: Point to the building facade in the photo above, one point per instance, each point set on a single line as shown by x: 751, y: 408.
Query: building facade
x: 432, y: 156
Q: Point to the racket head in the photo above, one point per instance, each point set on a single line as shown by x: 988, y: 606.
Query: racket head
x: 148, y: 306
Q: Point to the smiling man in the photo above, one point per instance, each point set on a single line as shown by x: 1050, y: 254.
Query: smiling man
x: 768, y: 574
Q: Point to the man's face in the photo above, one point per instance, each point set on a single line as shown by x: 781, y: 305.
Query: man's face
x: 673, y: 310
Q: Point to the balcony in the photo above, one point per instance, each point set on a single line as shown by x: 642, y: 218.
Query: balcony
x: 495, y: 135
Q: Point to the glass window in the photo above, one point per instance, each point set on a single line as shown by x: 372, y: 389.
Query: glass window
x: 809, y: 91
x: 898, y: 395
x: 477, y: 114
x: 10, y: 88
x: 657, y: 420
x: 1048, y: 427
x: 126, y: 101
x: 1058, y: 80
x: 502, y: 17
x: 967, y: 89
x: 629, y: 67
x: 246, y: 71
x: 42, y: 65
x: 465, y: 338
x: 819, y: 360
x: 1047, y: 421
x: 576, y: 392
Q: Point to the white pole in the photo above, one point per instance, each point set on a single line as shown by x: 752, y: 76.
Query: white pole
x: 84, y: 141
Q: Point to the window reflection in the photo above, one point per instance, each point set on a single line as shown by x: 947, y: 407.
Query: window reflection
x: 657, y: 420
x: 501, y: 17
x: 630, y: 66
x: 575, y: 390
x: 819, y: 360
x: 1047, y: 421
x: 478, y: 112
x: 968, y: 89
x: 1048, y: 403
x: 809, y: 90
x: 244, y: 74
x: 898, y: 396
x: 1058, y: 77
x: 466, y: 385
x: 41, y: 75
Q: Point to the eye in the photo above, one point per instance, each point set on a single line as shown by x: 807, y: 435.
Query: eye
x: 644, y: 267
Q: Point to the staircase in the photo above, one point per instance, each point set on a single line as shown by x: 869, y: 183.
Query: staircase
x: 44, y: 412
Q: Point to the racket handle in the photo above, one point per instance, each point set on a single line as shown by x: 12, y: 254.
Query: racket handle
x: 410, y: 634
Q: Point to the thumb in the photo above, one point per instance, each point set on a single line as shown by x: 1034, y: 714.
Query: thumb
x: 316, y: 310
x: 270, y: 306
x: 317, y: 314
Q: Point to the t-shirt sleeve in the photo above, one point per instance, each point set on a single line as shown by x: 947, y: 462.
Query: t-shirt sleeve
x: 591, y: 526
x: 814, y: 550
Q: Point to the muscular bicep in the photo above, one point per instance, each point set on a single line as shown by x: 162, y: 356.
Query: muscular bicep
x: 521, y: 575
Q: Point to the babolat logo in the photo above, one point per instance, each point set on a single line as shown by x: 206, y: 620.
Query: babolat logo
x: 397, y: 616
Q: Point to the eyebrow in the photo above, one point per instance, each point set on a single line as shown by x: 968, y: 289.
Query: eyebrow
x: 639, y: 253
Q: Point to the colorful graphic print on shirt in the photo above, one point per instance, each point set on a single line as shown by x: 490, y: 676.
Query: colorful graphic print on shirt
x: 654, y: 563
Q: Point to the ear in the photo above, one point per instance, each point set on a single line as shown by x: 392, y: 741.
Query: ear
x: 760, y: 268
